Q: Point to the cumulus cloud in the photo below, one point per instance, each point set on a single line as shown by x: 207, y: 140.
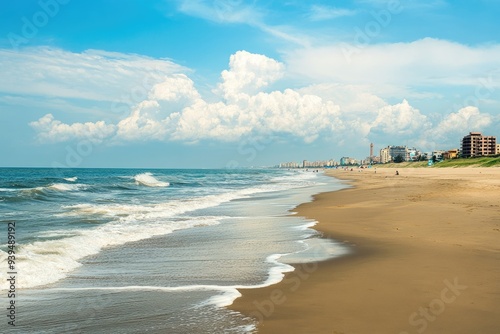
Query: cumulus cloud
x: 399, y: 120
x: 455, y: 125
x: 248, y: 73
x: 174, y: 88
x: 174, y: 110
x: 143, y: 123
x: 468, y: 118
x: 244, y: 109
x: 356, y: 100
x: 52, y: 130
x: 288, y: 112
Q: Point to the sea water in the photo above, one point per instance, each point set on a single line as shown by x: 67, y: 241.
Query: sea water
x: 151, y: 251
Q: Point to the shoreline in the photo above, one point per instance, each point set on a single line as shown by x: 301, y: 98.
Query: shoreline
x: 425, y: 258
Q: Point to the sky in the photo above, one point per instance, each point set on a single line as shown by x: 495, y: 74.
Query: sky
x: 234, y: 83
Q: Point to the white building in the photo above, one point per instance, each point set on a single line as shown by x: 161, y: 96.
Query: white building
x: 385, y: 156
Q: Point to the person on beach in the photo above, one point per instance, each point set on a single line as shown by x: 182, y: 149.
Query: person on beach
x: 397, y: 173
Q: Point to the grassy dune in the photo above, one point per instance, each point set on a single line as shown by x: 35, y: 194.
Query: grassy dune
x: 454, y: 163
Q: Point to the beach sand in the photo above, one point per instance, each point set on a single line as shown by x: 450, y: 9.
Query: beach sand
x: 425, y: 258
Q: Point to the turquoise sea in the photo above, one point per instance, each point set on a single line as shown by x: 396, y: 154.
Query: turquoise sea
x: 151, y: 251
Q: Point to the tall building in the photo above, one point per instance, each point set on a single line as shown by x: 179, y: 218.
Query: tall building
x: 385, y: 157
x: 477, y: 145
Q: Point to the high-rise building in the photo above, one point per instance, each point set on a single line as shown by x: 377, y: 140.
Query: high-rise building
x: 477, y: 145
x: 385, y: 156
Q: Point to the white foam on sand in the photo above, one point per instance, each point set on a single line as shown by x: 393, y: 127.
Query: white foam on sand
x: 46, y: 262
x: 227, y: 294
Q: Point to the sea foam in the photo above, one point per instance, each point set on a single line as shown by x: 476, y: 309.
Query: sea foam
x: 66, y: 187
x: 45, y: 262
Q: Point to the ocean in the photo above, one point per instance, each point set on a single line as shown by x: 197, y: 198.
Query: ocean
x: 152, y: 250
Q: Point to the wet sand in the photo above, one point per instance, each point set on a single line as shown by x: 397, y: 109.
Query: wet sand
x: 425, y: 257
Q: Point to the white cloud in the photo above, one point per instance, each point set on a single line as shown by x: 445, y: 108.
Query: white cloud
x: 51, y: 130
x: 355, y: 100
x: 320, y: 13
x: 221, y: 11
x: 448, y: 130
x: 466, y: 119
x: 454, y: 126
x: 426, y: 62
x: 90, y: 75
x: 305, y: 116
x: 408, y: 4
x: 173, y: 110
x: 399, y: 120
x: 248, y: 73
x: 239, y: 12
x: 204, y: 120
x: 174, y: 88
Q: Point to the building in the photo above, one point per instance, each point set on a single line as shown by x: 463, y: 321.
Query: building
x: 413, y: 154
x: 289, y: 165
x: 346, y: 161
x: 477, y: 145
x: 395, y: 151
x: 385, y: 157
x: 318, y: 164
x: 438, y: 154
x: 451, y: 154
x: 498, y: 149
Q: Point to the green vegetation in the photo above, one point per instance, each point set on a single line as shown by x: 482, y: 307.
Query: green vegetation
x: 453, y: 163
x: 471, y: 162
x: 414, y: 164
x: 399, y: 159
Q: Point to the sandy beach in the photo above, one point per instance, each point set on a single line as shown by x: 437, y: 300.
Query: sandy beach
x: 425, y: 258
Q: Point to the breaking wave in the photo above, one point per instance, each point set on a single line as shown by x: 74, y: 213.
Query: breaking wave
x: 148, y: 180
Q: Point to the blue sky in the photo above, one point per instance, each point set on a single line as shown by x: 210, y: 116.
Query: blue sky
x: 229, y: 83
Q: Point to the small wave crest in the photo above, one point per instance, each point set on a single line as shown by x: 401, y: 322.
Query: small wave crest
x: 71, y: 179
x: 65, y: 187
x: 148, y: 180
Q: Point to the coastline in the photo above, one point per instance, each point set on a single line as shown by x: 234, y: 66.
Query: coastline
x: 424, y: 258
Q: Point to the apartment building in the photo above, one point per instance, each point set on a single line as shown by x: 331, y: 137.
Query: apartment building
x: 385, y: 156
x: 477, y: 145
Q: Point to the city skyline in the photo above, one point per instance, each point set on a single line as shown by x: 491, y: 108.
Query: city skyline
x: 231, y: 83
x: 474, y: 144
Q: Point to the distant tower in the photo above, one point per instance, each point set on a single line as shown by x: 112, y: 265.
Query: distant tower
x: 371, y: 152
